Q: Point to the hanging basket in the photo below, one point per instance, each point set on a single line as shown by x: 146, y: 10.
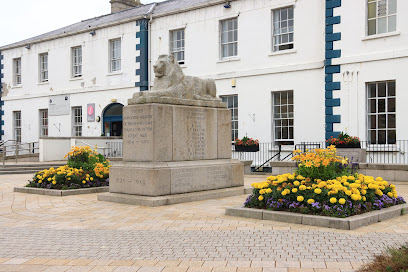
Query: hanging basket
x: 247, y: 148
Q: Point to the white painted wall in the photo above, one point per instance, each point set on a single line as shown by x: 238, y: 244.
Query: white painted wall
x: 96, y: 85
x: 369, y: 59
x: 257, y: 70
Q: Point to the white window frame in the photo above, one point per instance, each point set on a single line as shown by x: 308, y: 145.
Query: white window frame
x: 175, y: 50
x: 17, y: 126
x: 43, y: 116
x: 386, y: 17
x: 115, y: 55
x: 387, y: 99
x: 43, y: 67
x: 233, y: 42
x: 232, y: 105
x: 17, y: 71
x: 279, y: 119
x: 282, y: 30
x: 76, y: 61
x: 77, y: 118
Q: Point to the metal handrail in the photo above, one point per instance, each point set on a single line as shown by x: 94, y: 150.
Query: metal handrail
x: 17, y: 148
x: 94, y: 147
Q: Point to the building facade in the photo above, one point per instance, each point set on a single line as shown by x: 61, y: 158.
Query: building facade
x: 291, y: 71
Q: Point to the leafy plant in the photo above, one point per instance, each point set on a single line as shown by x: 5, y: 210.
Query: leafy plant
x: 246, y: 141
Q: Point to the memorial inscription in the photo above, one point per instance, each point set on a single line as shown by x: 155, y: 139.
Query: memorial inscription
x: 138, y: 128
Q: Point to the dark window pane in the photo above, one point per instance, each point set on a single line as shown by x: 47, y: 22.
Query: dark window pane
x: 391, y: 88
x: 381, y: 121
x: 230, y: 102
x: 373, y: 138
x: 291, y: 133
x: 381, y: 90
x: 382, y: 137
x: 381, y: 105
x: 371, y: 90
x: 372, y: 122
x: 391, y: 121
x: 391, y: 104
x: 285, y: 133
x: 372, y: 106
x: 392, y: 136
x: 290, y: 98
x: 235, y: 101
x: 277, y: 133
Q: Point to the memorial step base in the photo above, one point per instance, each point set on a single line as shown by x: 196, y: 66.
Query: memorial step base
x: 155, y: 201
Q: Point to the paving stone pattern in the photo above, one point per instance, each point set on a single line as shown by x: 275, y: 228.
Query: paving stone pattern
x: 79, y: 233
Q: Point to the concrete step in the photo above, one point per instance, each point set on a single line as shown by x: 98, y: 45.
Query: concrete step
x: 19, y: 168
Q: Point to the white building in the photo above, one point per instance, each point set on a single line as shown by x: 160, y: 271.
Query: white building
x: 291, y: 70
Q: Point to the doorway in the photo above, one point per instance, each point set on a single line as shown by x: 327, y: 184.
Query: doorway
x: 112, y: 120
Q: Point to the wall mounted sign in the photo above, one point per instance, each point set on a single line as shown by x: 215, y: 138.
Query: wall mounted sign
x: 58, y: 105
x: 90, y: 109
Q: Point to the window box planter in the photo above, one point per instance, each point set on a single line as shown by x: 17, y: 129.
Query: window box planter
x: 247, y: 148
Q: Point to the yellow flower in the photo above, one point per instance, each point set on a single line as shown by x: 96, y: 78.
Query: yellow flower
x: 49, y: 179
x: 91, y: 178
x: 348, y: 192
x: 83, y: 181
x: 355, y: 197
x: 302, y: 187
x: 300, y: 198
x: 294, y: 190
x: 284, y: 193
x: 364, y: 198
x: 310, y: 201
x: 40, y: 181
x: 296, y: 183
x: 333, y: 200
x: 54, y: 182
x: 342, y: 201
x: 318, y: 191
x: 390, y: 194
x: 260, y: 198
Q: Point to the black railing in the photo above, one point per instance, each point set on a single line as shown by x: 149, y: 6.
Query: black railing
x: 396, y: 153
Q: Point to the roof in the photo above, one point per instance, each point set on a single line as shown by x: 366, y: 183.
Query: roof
x: 162, y: 8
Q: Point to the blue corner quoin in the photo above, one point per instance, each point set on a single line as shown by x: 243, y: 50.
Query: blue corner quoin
x: 1, y: 102
x: 143, y: 59
x: 330, y: 69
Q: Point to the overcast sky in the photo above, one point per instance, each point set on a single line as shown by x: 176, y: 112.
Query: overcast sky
x: 22, y: 19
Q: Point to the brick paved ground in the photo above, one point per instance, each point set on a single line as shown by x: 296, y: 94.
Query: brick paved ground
x: 79, y: 233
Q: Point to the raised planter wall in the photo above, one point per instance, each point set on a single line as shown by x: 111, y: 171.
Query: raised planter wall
x: 55, y: 148
x: 354, y: 154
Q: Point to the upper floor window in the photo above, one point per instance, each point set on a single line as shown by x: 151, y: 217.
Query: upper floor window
x: 232, y: 104
x: 17, y: 125
x: 44, y: 67
x: 382, y: 16
x: 381, y: 112
x: 283, y: 29
x: 43, y: 123
x: 17, y: 71
x: 229, y: 38
x: 283, y: 117
x: 177, y: 45
x: 76, y: 53
x: 115, y: 55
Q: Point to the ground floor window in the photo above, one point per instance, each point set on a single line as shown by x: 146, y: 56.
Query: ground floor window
x: 113, y: 120
x: 76, y: 121
x: 232, y: 104
x: 17, y: 125
x: 381, y: 112
x: 43, y: 123
x: 283, y: 117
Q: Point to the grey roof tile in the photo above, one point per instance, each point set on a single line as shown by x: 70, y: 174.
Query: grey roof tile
x: 162, y: 7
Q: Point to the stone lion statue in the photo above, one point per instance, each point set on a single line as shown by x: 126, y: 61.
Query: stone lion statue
x: 170, y: 81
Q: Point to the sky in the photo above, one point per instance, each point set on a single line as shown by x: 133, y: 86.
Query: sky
x: 22, y: 19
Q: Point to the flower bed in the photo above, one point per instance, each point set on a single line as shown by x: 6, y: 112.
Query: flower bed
x: 85, y: 169
x: 323, y: 185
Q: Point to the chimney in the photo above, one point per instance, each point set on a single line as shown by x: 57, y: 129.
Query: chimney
x: 118, y: 5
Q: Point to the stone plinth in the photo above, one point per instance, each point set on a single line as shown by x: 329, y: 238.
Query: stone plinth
x: 161, y: 178
x: 171, y: 150
x: 162, y: 132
